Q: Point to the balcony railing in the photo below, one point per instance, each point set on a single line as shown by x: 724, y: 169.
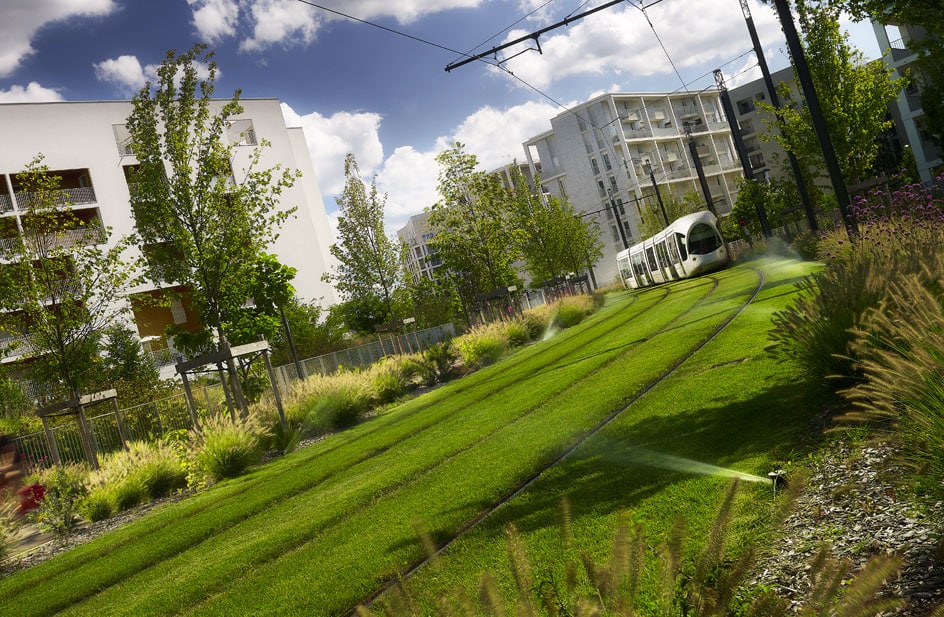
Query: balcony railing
x: 166, y: 357
x: 6, y: 204
x: 15, y: 346
x: 67, y: 239
x: 62, y: 197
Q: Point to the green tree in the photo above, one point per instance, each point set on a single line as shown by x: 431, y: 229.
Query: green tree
x: 368, y: 262
x: 314, y: 330
x: 753, y: 194
x: 652, y: 221
x: 267, y: 289
x: 127, y: 368
x: 473, y: 237
x: 854, y: 96
x: 198, y: 226
x: 61, y: 285
x: 552, y: 238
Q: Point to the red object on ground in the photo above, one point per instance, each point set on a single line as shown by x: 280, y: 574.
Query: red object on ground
x: 30, y: 496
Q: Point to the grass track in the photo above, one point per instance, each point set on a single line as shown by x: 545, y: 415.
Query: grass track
x: 335, y: 519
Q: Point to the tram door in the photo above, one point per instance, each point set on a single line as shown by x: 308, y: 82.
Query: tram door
x: 672, y: 246
x: 668, y: 270
x: 655, y: 269
x: 640, y: 269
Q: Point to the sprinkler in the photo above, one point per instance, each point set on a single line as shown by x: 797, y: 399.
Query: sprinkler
x: 778, y: 478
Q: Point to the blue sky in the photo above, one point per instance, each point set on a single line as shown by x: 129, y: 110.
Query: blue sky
x: 386, y: 98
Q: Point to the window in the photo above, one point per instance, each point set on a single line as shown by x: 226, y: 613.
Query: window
x: 615, y: 233
x: 745, y: 106
x: 595, y: 166
x: 241, y: 133
x: 602, y: 188
x: 613, y: 186
x: 606, y: 162
x: 702, y: 240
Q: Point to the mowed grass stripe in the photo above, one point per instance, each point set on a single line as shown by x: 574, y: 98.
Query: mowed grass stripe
x: 380, y: 475
x: 448, y: 500
x: 222, y: 498
x: 718, y: 408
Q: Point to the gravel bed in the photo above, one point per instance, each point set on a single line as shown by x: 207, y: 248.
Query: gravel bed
x: 852, y: 503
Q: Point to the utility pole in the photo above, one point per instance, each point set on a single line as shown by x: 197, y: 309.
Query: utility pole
x: 619, y: 221
x: 816, y: 113
x: 652, y: 176
x: 739, y: 146
x: 775, y: 101
x: 693, y: 150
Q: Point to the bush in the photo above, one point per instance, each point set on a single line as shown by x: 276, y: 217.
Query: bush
x: 899, y: 234
x: 8, y: 524
x: 225, y: 448
x: 571, y: 310
x: 518, y: 333
x: 65, y: 487
x: 389, y: 379
x: 482, y: 346
x: 98, y: 505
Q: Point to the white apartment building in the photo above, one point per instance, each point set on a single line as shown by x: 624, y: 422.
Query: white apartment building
x: 416, y: 234
x: 85, y: 143
x: 897, y: 41
x: 599, y: 155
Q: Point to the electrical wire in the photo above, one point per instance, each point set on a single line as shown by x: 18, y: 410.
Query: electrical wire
x: 506, y: 29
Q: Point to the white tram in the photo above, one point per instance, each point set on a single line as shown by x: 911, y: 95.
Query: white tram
x: 689, y: 246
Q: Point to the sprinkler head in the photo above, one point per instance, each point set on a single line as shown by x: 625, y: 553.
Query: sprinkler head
x: 778, y: 478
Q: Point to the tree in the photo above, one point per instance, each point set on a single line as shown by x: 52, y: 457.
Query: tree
x: 552, y: 238
x: 926, y: 13
x: 198, y: 226
x: 61, y: 285
x: 313, y: 332
x: 473, y: 236
x: 267, y: 289
x: 651, y: 218
x: 753, y: 194
x: 854, y: 96
x: 368, y: 263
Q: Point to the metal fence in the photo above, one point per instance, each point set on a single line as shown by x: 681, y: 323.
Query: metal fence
x: 152, y: 421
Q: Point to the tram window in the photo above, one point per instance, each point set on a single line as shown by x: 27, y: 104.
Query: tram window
x: 673, y: 250
x: 625, y: 271
x: 702, y: 240
x: 680, y: 241
x: 651, y: 258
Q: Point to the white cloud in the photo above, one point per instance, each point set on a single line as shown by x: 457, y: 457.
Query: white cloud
x: 124, y: 71
x: 280, y: 21
x: 215, y: 19
x: 495, y: 136
x: 127, y: 74
x: 21, y: 19
x: 620, y: 40
x: 263, y: 23
x: 409, y: 179
x: 32, y: 93
x: 331, y: 138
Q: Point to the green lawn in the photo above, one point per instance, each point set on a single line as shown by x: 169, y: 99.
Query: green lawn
x: 317, y: 531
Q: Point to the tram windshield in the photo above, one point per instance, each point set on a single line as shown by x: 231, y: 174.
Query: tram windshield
x: 703, y: 239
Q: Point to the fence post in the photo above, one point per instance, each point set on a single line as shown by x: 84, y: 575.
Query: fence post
x: 122, y: 431
x: 191, y: 404
x: 51, y: 441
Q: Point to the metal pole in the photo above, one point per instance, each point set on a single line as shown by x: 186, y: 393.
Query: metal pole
x: 775, y: 101
x: 619, y: 222
x: 693, y: 149
x: 652, y: 176
x: 816, y: 114
x: 739, y: 146
x: 299, y: 369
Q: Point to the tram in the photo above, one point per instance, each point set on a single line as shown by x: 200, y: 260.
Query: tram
x: 689, y: 246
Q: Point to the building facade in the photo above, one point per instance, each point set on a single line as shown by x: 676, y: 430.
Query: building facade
x: 610, y: 155
x: 86, y: 144
x: 421, y: 260
x: 898, y: 42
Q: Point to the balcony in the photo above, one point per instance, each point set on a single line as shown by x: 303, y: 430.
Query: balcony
x: 69, y: 239
x: 14, y: 347
x: 6, y: 204
x: 62, y: 197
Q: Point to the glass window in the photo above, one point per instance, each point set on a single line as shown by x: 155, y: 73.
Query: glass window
x: 702, y: 239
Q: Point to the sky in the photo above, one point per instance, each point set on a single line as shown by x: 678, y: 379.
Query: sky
x: 376, y: 86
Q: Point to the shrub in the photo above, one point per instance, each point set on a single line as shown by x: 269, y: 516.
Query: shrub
x: 518, y: 333
x: 899, y: 233
x: 225, y: 448
x: 571, y: 310
x: 65, y: 486
x: 442, y: 358
x: 332, y: 412
x: 8, y: 524
x: 98, y: 505
x: 482, y: 346
x: 389, y: 379
x: 537, y: 320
